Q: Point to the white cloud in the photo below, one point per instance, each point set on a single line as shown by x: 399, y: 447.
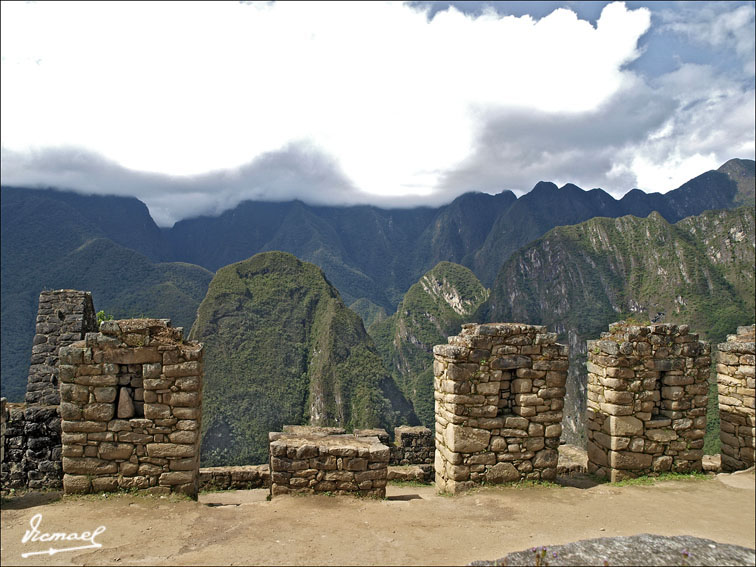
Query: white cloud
x: 184, y: 89
x: 339, y: 102
x: 722, y: 25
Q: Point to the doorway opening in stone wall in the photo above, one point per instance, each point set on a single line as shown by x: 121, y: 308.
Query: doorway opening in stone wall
x: 506, y: 402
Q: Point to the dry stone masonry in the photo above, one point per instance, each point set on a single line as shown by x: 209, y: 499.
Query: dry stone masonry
x: 312, y: 459
x: 131, y: 409
x: 737, y: 416
x: 32, y: 447
x: 499, y: 390
x: 64, y: 316
x: 412, y: 446
x: 3, y: 421
x: 243, y: 477
x: 647, y: 397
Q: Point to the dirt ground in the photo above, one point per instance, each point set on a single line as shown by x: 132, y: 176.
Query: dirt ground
x: 413, y: 526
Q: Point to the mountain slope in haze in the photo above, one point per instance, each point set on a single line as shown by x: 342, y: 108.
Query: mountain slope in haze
x: 282, y: 348
x: 54, y: 240
x: 431, y: 310
x: 578, y: 279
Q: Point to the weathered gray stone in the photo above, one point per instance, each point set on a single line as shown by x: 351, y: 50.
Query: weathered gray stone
x: 642, y: 549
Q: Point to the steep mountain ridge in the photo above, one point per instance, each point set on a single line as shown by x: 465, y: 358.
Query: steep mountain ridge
x: 282, y: 348
x: 431, y: 310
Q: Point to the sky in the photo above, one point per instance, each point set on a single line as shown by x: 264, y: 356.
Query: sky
x: 193, y: 107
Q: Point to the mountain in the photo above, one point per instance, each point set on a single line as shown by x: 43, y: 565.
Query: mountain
x: 282, y: 348
x: 431, y: 310
x: 578, y: 279
x: 547, y: 206
x: 56, y: 240
x: 742, y: 172
x: 371, y: 255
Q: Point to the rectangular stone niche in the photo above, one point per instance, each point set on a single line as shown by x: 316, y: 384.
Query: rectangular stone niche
x: 647, y: 397
x: 309, y: 460
x: 131, y: 409
x: 499, y: 390
x: 736, y: 383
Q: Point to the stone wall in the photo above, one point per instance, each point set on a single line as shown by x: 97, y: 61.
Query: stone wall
x: 412, y: 446
x: 131, y: 409
x: 499, y: 390
x: 243, y: 477
x: 307, y: 460
x: 3, y: 421
x: 735, y: 380
x: 32, y: 443
x: 647, y: 397
x: 32, y: 447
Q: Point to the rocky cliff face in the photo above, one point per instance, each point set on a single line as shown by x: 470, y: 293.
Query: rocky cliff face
x: 282, y: 348
x: 577, y: 279
x: 432, y: 309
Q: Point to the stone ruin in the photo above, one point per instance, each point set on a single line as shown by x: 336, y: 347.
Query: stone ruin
x: 411, y: 458
x: 317, y: 459
x: 131, y: 405
x: 647, y: 399
x: 736, y: 384
x: 131, y: 409
x: 32, y: 447
x: 499, y: 390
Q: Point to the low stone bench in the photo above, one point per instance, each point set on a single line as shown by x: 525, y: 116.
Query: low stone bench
x: 309, y: 461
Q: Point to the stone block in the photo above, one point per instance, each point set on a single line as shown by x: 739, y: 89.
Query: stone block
x: 88, y: 466
x: 461, y: 439
x: 169, y: 450
x: 176, y: 477
x: 627, y: 460
x: 115, y: 451
x: 502, y: 472
x: 623, y: 426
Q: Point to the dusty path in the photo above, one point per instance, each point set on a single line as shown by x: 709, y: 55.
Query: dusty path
x: 413, y: 526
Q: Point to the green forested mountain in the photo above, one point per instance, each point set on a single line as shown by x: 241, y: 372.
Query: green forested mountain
x: 432, y: 309
x: 577, y: 279
x: 282, y: 348
x: 371, y: 255
x: 53, y: 240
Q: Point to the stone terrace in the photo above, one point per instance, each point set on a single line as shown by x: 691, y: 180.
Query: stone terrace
x: 303, y: 459
x: 735, y: 379
x: 499, y: 390
x: 647, y: 398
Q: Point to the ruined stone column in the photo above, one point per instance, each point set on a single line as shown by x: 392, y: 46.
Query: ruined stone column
x: 737, y: 416
x: 131, y: 409
x: 499, y: 390
x: 64, y: 316
x: 647, y: 397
